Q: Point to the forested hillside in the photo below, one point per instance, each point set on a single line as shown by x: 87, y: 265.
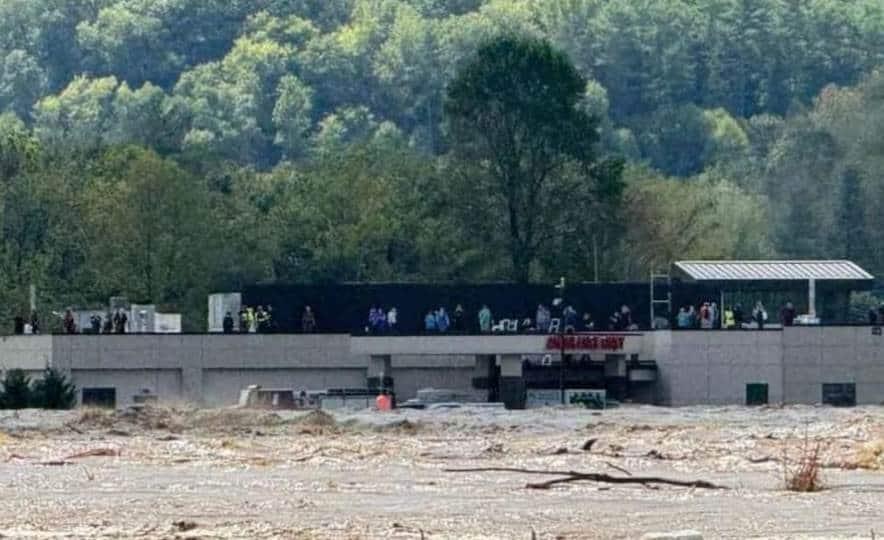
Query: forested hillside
x: 165, y: 148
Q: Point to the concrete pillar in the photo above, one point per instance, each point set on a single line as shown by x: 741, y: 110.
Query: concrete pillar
x: 483, y: 378
x: 380, y: 372
x: 616, y: 376
x: 512, y: 384
x: 811, y: 298
x: 483, y: 365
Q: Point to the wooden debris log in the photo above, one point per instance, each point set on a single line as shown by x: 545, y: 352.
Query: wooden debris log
x: 576, y: 476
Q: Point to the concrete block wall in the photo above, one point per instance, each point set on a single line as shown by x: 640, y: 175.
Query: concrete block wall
x: 28, y: 353
x: 812, y: 357
x: 205, y: 369
x: 166, y: 384
x: 714, y: 367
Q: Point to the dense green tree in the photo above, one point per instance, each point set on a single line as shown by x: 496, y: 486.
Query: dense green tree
x: 372, y: 235
x: 22, y: 82
x: 726, y: 138
x: 292, y: 116
x: 15, y: 390
x: 346, y: 126
x: 128, y: 43
x: 514, y: 110
x: 79, y: 117
x: 149, y: 227
x: 231, y: 103
x: 851, y: 217
x: 28, y: 207
x: 707, y: 217
x: 18, y: 148
x: 407, y: 69
x: 674, y: 140
x: 53, y: 391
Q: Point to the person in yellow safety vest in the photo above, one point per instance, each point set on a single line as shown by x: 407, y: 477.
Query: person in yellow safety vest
x: 250, y: 319
x: 729, y: 321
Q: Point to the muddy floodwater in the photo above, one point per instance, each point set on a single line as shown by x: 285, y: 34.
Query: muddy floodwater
x: 181, y: 473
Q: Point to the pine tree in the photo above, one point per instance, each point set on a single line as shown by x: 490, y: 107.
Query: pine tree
x: 16, y: 391
x: 54, y: 391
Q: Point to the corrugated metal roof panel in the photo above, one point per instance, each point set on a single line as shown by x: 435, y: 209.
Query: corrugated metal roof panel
x: 773, y: 270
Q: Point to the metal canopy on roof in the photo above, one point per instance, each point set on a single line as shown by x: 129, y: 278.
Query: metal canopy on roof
x: 773, y: 270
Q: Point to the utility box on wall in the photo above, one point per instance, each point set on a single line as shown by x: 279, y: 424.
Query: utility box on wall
x: 219, y: 305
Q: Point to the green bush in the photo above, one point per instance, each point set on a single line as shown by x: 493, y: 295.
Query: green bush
x: 53, y: 391
x: 16, y: 390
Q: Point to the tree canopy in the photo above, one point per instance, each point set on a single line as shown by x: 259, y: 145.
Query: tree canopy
x: 513, y: 110
x: 165, y: 149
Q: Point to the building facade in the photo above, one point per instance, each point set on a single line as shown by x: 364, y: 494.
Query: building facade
x: 839, y: 365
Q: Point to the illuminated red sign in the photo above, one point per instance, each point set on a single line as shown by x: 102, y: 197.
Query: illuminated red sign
x: 585, y: 343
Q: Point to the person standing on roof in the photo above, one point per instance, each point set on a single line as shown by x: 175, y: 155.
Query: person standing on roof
x: 392, y: 319
x: 308, y: 321
x: 485, y: 320
x: 727, y: 322
x: 430, y: 322
x: 759, y: 315
x: 787, y: 314
x: 442, y: 320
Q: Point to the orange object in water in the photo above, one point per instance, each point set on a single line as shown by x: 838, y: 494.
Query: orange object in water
x: 384, y: 403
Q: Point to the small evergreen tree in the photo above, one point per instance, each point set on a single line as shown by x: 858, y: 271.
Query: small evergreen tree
x: 54, y: 391
x: 16, y: 391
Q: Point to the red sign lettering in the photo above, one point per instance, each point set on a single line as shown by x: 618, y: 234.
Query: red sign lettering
x: 573, y: 342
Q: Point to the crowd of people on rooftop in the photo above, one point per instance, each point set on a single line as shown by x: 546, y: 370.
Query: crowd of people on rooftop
x: 382, y: 320
x: 261, y: 320
x: 114, y: 322
x: 439, y: 320
x: 708, y: 316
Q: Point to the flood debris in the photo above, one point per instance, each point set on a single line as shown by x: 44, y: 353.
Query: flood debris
x: 96, y: 452
x: 587, y: 446
x: 350, y: 474
x: 870, y: 456
x: 576, y: 476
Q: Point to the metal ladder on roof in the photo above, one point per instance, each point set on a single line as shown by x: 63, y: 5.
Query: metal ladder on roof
x: 661, y: 295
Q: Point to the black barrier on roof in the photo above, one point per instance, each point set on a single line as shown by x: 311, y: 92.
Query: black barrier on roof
x: 344, y: 308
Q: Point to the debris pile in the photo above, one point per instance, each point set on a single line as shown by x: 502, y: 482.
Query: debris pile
x: 176, y: 420
x: 871, y: 456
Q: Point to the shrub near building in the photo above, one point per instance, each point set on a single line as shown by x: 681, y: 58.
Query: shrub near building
x: 53, y: 391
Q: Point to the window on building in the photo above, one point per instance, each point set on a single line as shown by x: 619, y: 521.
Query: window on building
x: 839, y: 394
x: 756, y: 394
x: 100, y: 397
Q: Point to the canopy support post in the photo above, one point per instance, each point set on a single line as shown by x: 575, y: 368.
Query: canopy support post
x: 811, y: 298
